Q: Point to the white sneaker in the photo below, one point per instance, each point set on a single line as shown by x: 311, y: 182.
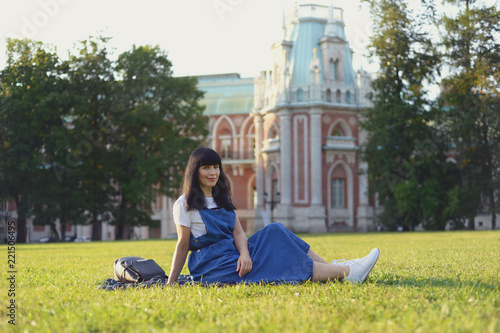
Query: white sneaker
x: 361, y: 267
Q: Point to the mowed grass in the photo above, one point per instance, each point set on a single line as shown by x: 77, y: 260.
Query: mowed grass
x: 423, y: 282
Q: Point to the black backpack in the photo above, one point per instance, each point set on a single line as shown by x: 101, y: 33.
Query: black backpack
x: 136, y: 270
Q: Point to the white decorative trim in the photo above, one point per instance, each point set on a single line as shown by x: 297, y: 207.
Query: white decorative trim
x: 246, y: 135
x: 271, y: 145
x: 237, y: 169
x: 238, y: 120
x: 327, y: 119
x: 301, y: 120
x: 316, y: 160
x: 286, y: 157
x: 348, y: 155
x: 343, y: 124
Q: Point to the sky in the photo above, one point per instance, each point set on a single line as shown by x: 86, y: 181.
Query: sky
x: 200, y: 36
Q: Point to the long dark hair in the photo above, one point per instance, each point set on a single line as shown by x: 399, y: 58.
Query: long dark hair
x: 221, y: 192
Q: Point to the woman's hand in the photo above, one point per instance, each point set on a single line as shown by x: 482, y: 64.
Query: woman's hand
x: 244, y: 265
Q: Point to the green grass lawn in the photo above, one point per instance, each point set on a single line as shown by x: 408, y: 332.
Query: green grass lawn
x: 423, y: 282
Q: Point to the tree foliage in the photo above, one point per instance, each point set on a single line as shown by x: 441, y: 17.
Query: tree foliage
x: 154, y: 120
x: 399, y: 121
x: 32, y: 106
x: 471, y: 99
x: 90, y: 139
x: 92, y: 84
x: 413, y: 137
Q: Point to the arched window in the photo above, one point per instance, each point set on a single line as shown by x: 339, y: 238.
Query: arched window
x: 348, y: 97
x: 339, y: 188
x: 300, y: 95
x: 328, y: 95
x: 339, y: 96
x: 225, y: 146
x: 338, y: 132
x: 338, y: 192
x: 340, y: 128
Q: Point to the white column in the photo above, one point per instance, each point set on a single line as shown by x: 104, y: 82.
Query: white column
x: 317, y: 215
x: 259, y: 130
x: 286, y: 158
x: 316, y: 162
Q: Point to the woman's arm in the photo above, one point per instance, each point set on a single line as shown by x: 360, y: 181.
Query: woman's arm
x: 244, y: 264
x: 180, y: 254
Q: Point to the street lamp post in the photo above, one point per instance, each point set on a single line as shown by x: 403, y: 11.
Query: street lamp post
x: 272, y: 202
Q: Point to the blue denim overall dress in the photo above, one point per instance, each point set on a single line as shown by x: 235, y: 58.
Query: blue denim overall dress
x: 278, y: 255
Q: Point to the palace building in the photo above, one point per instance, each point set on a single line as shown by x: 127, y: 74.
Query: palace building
x: 289, y: 138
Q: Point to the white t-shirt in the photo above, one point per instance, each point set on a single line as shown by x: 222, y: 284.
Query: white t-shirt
x: 191, y: 219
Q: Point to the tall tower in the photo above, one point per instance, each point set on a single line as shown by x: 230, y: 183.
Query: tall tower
x: 306, y: 117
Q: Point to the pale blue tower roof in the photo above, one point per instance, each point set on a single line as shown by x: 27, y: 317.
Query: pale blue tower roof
x: 226, y: 94
x: 305, y: 37
x: 308, y: 29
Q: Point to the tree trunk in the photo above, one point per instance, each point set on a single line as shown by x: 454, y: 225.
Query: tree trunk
x: 470, y: 223
x: 21, y: 222
x: 96, y: 230
x: 489, y: 173
x: 21, y: 230
x: 63, y: 231
x: 53, y: 230
x: 119, y: 231
x: 492, y: 206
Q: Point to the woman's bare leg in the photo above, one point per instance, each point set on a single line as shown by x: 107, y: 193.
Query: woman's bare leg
x: 315, y: 257
x: 325, y: 272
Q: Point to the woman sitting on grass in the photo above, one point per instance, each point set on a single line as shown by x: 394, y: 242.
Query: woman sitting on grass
x: 221, y: 253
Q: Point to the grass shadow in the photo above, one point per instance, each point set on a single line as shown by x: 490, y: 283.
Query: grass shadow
x: 434, y: 282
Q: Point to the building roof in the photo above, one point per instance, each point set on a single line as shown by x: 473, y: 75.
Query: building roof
x: 226, y: 93
x: 310, y: 23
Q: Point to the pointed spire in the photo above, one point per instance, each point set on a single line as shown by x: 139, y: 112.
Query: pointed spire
x: 284, y: 25
x: 330, y: 29
x: 330, y: 13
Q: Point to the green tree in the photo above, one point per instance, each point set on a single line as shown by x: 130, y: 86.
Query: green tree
x: 31, y: 110
x: 425, y: 198
x: 55, y: 197
x: 471, y: 99
x: 92, y: 85
x: 91, y: 140
x: 157, y: 122
x: 399, y: 121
